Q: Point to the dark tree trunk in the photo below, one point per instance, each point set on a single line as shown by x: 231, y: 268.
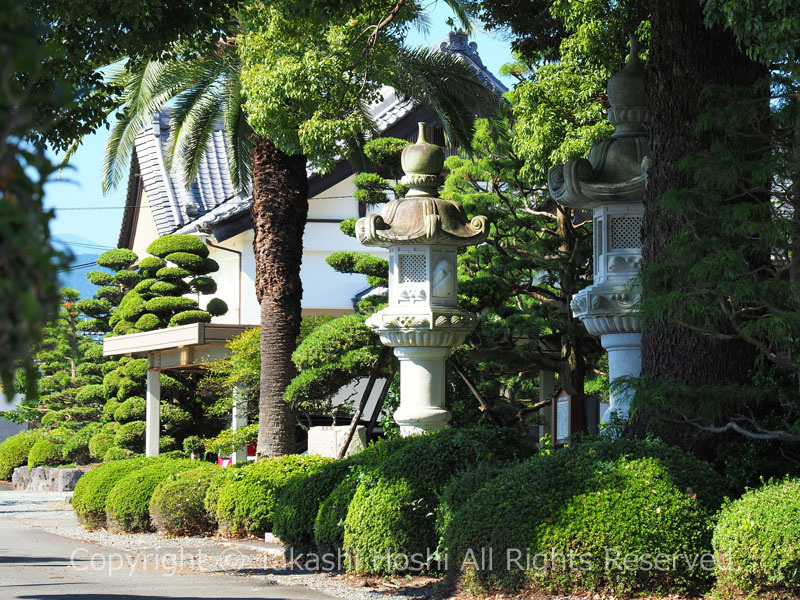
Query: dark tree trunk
x: 684, y: 56
x: 280, y: 209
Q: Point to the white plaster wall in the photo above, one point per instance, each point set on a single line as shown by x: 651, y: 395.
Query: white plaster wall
x: 145, y: 231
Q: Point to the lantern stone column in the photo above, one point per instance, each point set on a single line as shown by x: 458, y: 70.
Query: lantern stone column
x: 611, y: 182
x: 422, y: 322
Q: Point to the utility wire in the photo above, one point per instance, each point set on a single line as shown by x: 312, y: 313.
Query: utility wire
x: 179, y: 204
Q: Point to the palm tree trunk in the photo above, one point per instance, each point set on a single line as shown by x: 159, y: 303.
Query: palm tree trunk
x: 279, y: 212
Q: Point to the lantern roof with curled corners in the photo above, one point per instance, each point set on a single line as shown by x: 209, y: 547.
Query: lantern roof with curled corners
x: 616, y: 169
x: 422, y: 217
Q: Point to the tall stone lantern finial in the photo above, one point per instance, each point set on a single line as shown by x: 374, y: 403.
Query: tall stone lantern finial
x: 422, y: 322
x: 612, y: 183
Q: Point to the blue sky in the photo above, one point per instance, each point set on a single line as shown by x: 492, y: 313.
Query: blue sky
x: 81, y: 208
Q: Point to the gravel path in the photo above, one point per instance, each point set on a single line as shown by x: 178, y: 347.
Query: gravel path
x: 51, y: 512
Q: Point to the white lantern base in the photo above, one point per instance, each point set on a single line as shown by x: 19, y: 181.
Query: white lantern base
x: 422, y: 386
x: 624, y: 360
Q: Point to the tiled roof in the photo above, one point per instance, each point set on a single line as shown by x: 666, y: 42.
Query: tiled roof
x: 211, y: 198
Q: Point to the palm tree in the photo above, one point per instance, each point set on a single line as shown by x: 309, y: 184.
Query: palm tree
x: 206, y: 89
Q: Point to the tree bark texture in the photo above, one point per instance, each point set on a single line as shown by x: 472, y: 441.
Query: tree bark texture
x: 279, y: 212
x: 684, y: 57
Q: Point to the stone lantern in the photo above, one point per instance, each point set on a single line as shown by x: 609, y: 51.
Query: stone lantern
x: 611, y: 182
x: 422, y: 322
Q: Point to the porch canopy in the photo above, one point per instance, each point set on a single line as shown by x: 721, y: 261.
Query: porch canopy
x: 183, y: 348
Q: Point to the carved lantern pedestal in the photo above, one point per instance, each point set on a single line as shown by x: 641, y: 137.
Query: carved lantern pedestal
x: 612, y: 183
x: 422, y: 322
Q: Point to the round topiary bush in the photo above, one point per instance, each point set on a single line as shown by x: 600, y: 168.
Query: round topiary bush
x: 424, y: 464
x: 150, y: 264
x: 148, y: 322
x: 91, y: 491
x: 99, y: 277
x: 117, y: 453
x: 99, y: 444
x: 93, y: 308
x: 215, y: 486
x: 128, y: 502
x: 44, y: 453
x: 203, y: 285
x: 217, y: 307
x: 177, y: 507
x: 246, y: 504
x: 187, y: 260
x: 126, y: 279
x: 131, y: 307
x: 177, y: 242
x: 90, y: 394
x: 135, y: 369
x: 130, y: 436
x: 117, y: 258
x: 756, y: 542
x: 14, y: 451
x: 597, y: 503
x: 169, y: 288
x: 133, y: 409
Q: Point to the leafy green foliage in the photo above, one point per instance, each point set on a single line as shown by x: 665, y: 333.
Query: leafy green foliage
x: 246, y: 504
x: 44, y: 453
x: 133, y: 409
x: 216, y: 307
x: 630, y: 496
x: 99, y: 444
x: 14, y: 451
x: 177, y: 242
x: 189, y: 316
x: 128, y: 502
x: 755, y: 541
x: 176, y: 507
x: 76, y: 448
x: 91, y: 491
x: 117, y: 259
x: 130, y: 436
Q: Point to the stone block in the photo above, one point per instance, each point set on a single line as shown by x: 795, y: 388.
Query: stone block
x: 326, y: 441
x: 20, y: 478
x: 66, y: 479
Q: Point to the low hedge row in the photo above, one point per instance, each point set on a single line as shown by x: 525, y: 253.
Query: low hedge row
x: 14, y: 451
x: 177, y: 505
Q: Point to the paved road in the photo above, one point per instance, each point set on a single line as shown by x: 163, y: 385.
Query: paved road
x: 38, y: 565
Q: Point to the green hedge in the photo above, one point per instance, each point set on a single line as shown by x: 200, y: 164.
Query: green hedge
x: 211, y: 499
x: 298, y: 504
x: 91, y: 491
x: 593, y: 501
x: 246, y: 504
x: 757, y: 542
x: 394, y: 505
x: 44, y: 453
x: 128, y: 502
x: 177, y: 507
x: 14, y: 451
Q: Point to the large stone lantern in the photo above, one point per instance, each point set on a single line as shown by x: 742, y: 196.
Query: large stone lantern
x: 422, y: 322
x: 611, y: 182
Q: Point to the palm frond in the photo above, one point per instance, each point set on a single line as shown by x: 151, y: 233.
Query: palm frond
x: 239, y: 137
x: 448, y: 86
x: 459, y: 9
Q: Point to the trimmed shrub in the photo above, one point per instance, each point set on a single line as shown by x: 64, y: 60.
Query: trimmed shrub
x: 329, y: 522
x: 14, y: 451
x: 99, y: 444
x: 110, y: 427
x: 246, y: 504
x: 94, y: 325
x: 130, y: 387
x: 93, y: 308
x: 298, y: 504
x: 109, y: 292
x: 110, y: 408
x: 148, y: 322
x: 190, y: 316
x: 220, y: 480
x: 111, y: 382
x: 143, y: 287
x: 135, y: 369
x: 150, y: 264
x: 167, y: 304
x: 396, y: 501
x: 44, y: 453
x: 756, y: 542
x: 90, y: 394
x: 130, y: 436
x: 91, y: 491
x: 177, y: 507
x: 210, y: 266
x: 126, y: 279
x: 169, y: 288
x: 52, y: 418
x: 128, y: 503
x: 203, y: 285
x: 217, y: 307
x: 99, y: 277
x: 76, y: 448
x: 117, y: 453
x: 591, y: 501
x: 177, y: 242
x: 173, y: 273
x: 187, y: 260
x: 133, y: 409
x: 117, y: 258
x: 131, y: 307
